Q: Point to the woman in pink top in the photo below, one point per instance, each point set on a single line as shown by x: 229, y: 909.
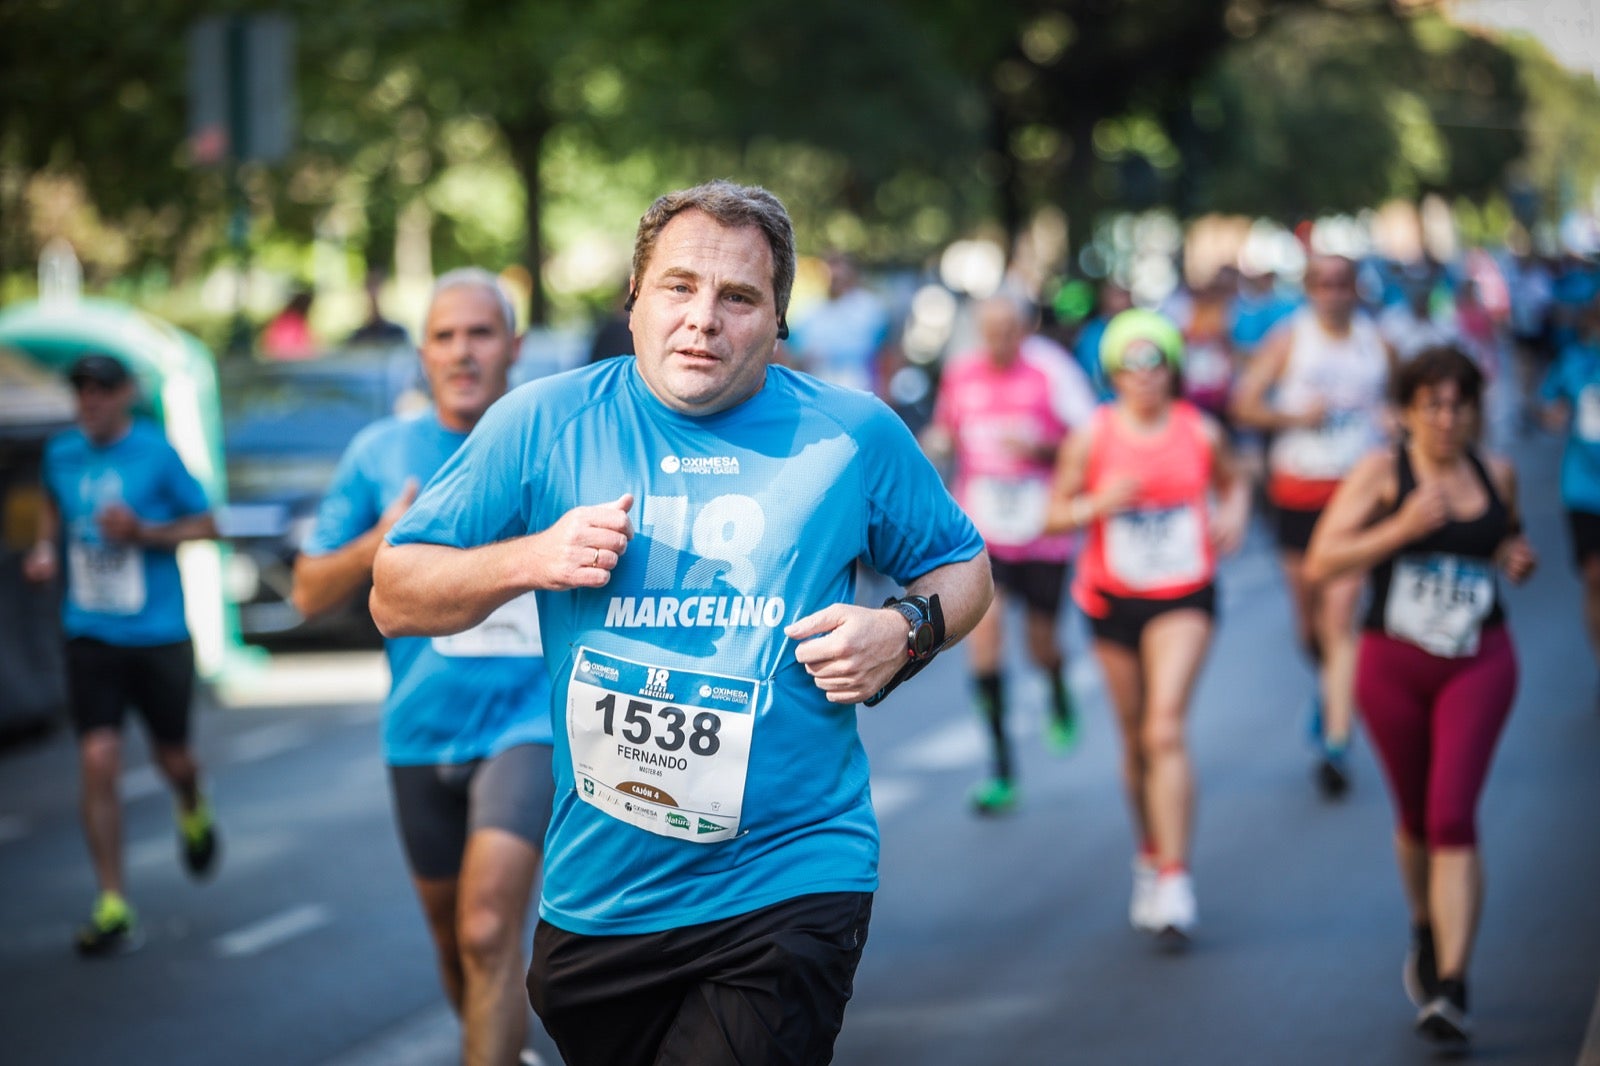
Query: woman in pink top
x: 1139, y: 481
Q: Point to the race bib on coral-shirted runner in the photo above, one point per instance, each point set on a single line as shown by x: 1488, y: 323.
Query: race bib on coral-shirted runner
x: 1327, y: 452
x: 1586, y: 419
x: 511, y: 630
x: 661, y: 749
x: 1155, y: 547
x: 1009, y: 510
x: 106, y: 578
x: 1438, y: 602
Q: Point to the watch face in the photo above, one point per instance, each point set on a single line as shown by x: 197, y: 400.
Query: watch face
x: 922, y: 641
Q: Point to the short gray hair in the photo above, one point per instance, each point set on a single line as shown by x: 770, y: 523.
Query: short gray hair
x: 731, y: 205
x: 475, y: 278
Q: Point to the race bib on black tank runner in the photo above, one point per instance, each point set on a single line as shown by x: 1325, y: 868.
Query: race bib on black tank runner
x: 664, y: 750
x: 1438, y: 602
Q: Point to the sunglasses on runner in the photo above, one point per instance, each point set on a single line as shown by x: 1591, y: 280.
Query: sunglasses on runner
x: 1141, y: 355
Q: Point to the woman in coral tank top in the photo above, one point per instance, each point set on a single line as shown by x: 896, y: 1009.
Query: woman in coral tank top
x: 1140, y: 481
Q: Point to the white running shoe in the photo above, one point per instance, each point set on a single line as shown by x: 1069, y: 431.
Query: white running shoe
x: 1173, y: 909
x: 1141, y: 908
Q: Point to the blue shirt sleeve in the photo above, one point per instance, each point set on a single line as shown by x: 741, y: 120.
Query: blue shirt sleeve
x: 481, y: 494
x: 351, y: 505
x: 913, y: 524
x: 188, y: 497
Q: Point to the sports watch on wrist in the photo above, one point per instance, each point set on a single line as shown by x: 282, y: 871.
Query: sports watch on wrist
x: 924, y: 640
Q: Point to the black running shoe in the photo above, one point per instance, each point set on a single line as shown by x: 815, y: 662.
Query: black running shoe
x: 1420, y: 974
x: 1445, y: 1024
x: 102, y: 939
x: 1333, y: 780
x: 1444, y: 1020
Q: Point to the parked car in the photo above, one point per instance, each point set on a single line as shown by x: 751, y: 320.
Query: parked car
x: 285, y: 426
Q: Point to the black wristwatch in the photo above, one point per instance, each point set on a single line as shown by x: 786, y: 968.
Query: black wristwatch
x: 924, y: 640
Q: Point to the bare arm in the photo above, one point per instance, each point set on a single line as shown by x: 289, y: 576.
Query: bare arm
x: 40, y: 562
x: 323, y: 582
x: 434, y: 589
x: 1232, y: 517
x: 1249, y: 404
x: 851, y: 652
x: 1072, y: 508
x: 1515, y: 555
x: 1344, y: 541
x: 120, y: 525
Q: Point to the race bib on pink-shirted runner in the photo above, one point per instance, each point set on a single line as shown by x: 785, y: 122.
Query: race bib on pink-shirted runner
x: 1009, y: 511
x: 1155, y: 547
x: 661, y: 749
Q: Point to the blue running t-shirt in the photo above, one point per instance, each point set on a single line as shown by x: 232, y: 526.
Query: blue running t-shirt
x: 1575, y: 378
x: 121, y: 594
x: 700, y: 773
x: 451, y: 699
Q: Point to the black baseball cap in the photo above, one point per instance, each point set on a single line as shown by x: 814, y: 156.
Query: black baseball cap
x: 102, y: 369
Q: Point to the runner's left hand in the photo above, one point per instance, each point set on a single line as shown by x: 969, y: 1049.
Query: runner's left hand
x: 850, y: 652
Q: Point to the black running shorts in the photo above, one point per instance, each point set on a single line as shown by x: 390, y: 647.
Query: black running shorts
x: 1037, y: 584
x: 437, y: 807
x: 1126, y: 616
x: 1293, y: 527
x: 765, y: 987
x: 1585, y: 529
x: 104, y: 680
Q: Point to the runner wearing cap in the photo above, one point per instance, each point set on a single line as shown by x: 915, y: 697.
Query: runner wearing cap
x: 1139, y: 481
x: 118, y: 503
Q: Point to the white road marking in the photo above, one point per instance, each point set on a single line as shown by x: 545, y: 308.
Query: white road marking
x: 268, y: 741
x: 270, y: 932
x: 890, y: 795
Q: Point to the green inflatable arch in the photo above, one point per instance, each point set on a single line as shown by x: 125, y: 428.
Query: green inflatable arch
x: 178, y: 385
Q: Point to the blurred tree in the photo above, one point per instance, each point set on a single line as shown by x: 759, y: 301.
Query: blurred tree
x: 1334, y: 110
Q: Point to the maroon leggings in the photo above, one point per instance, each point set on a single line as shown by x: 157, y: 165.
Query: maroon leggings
x: 1435, y: 723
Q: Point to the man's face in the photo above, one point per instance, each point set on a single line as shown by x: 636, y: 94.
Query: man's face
x: 1331, y: 288
x: 103, y: 410
x: 467, y: 353
x: 1001, y: 330
x: 705, y: 319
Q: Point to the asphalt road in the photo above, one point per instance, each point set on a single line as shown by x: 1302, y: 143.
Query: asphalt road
x: 994, y: 940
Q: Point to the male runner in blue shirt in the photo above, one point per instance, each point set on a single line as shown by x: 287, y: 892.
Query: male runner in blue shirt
x: 118, y: 503
x: 466, y: 727
x: 712, y: 851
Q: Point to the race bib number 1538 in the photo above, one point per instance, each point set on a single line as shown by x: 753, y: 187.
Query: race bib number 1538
x: 661, y: 749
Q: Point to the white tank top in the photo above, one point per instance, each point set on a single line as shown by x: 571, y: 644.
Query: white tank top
x: 1348, y: 375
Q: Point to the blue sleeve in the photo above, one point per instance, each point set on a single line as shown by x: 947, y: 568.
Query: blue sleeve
x: 913, y: 524
x: 1557, y: 380
x: 188, y: 498
x: 480, y: 495
x: 351, y: 505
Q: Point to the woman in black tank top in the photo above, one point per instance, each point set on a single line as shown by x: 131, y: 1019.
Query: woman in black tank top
x: 1436, y: 672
